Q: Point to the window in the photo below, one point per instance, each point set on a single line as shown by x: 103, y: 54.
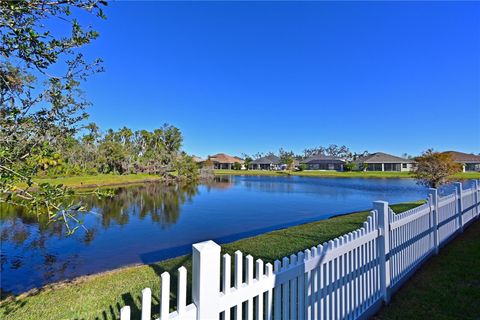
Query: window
x: 404, y: 165
x: 391, y: 167
x: 374, y: 167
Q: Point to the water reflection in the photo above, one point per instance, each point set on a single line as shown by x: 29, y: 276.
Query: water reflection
x: 34, y: 251
x: 161, y: 203
x: 150, y: 222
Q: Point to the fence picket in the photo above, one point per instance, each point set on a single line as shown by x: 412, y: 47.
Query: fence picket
x: 125, y: 313
x: 301, y: 288
x: 277, y: 291
x: 238, y: 281
x: 249, y: 280
x: 259, y: 277
x: 182, y: 290
x: 269, y: 293
x: 165, y: 296
x: 146, y: 304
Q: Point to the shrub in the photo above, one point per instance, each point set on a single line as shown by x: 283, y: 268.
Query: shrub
x: 237, y: 166
x: 302, y: 167
x: 349, y: 166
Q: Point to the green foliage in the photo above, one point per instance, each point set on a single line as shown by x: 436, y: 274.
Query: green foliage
x: 41, y: 103
x: 186, y: 167
x: 288, y: 158
x: 302, y: 167
x: 119, y: 152
x: 42, y: 109
x: 247, y: 162
x: 237, y: 166
x: 349, y: 166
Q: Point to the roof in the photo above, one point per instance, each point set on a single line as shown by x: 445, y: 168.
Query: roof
x: 463, y: 157
x: 197, y: 159
x: 271, y: 159
x: 320, y: 158
x: 380, y: 157
x: 224, y: 158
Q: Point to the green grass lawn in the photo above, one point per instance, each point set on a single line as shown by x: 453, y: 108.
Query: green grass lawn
x: 104, y: 180
x: 93, y: 181
x: 101, y: 296
x: 446, y: 287
x: 336, y: 174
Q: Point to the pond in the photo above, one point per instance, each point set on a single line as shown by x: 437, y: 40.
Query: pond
x: 148, y: 223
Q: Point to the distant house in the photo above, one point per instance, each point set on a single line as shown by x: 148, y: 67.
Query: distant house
x: 224, y: 161
x: 322, y: 162
x: 197, y: 159
x: 270, y: 162
x: 380, y: 161
x: 469, y: 161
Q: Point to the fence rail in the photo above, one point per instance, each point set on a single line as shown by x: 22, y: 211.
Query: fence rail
x: 349, y: 277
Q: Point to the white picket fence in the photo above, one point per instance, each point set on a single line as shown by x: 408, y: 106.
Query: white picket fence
x: 346, y: 278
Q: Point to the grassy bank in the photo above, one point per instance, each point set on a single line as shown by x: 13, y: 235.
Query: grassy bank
x: 336, y: 174
x: 446, y: 287
x: 101, y: 296
x: 105, y: 180
x: 100, y: 180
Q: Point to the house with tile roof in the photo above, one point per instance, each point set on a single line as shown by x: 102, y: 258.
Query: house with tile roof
x: 224, y: 161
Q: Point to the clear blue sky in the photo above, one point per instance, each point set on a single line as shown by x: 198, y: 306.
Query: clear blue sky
x: 249, y: 77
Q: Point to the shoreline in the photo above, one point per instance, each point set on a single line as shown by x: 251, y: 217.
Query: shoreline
x: 128, y: 267
x: 104, y: 180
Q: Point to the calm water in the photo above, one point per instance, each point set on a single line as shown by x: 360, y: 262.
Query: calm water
x: 153, y: 222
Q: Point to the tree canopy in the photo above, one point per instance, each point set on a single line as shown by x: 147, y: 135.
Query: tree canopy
x: 43, y: 111
x: 434, y: 168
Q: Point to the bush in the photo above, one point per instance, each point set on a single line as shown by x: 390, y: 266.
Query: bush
x: 349, y: 166
x: 237, y: 166
x: 302, y: 167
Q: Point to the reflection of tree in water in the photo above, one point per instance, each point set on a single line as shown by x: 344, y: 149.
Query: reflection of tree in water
x: 25, y: 237
x: 159, y: 202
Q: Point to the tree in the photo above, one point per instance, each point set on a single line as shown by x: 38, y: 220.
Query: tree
x: 332, y: 150
x: 237, y: 166
x: 248, y: 160
x: 288, y: 158
x: 186, y: 167
x: 40, y: 108
x: 434, y: 168
x: 349, y: 166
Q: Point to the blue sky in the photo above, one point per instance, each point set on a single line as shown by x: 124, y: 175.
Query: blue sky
x: 253, y: 77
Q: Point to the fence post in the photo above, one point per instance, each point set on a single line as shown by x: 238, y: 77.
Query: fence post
x: 458, y: 192
x: 434, y: 202
x: 476, y: 198
x: 206, y: 279
x: 383, y: 247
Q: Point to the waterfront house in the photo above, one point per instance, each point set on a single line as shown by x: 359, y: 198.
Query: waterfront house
x: 380, y: 161
x: 224, y: 161
x: 270, y: 162
x: 469, y: 161
x: 197, y: 159
x: 322, y: 162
